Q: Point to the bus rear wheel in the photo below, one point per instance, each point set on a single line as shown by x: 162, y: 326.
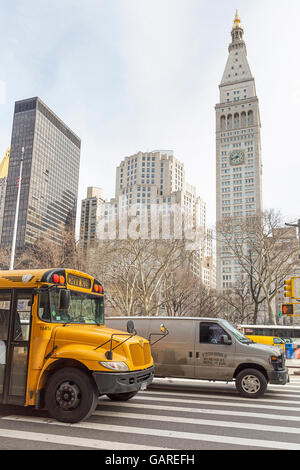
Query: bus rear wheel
x: 70, y: 395
x: 121, y: 396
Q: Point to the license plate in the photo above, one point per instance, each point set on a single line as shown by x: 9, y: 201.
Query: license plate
x: 143, y: 386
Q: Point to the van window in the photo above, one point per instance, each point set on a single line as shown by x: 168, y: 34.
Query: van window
x: 210, y: 333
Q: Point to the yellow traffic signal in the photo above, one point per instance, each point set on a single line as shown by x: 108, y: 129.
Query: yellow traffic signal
x: 288, y: 309
x: 289, y: 289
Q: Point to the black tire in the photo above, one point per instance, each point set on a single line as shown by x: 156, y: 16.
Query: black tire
x: 121, y: 396
x: 251, y: 383
x: 70, y: 395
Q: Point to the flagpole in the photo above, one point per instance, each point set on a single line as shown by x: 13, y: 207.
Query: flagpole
x: 13, y: 246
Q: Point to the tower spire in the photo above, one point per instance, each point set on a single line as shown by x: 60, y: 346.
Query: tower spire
x: 237, y: 32
x: 237, y: 20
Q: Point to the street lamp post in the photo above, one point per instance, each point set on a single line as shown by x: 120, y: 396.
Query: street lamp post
x: 13, y: 245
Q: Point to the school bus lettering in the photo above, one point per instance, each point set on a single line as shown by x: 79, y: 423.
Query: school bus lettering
x: 77, y: 281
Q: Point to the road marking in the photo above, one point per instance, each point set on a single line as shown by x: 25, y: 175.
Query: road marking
x: 206, y: 422
x: 157, y: 433
x: 71, y: 441
x: 199, y: 410
x: 218, y: 403
x: 201, y: 395
x: 183, y: 381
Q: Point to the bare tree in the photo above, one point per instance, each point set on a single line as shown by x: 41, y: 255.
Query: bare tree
x: 137, y: 273
x: 238, y: 302
x: 265, y: 250
x: 49, y: 251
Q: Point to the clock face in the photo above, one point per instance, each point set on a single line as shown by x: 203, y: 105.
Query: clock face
x: 237, y: 157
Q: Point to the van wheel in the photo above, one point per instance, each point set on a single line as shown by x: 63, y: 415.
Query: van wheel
x: 121, y: 396
x: 251, y: 383
x: 70, y: 395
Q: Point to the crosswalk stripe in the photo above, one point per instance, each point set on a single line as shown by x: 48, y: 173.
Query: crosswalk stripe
x: 182, y: 435
x: 72, y: 441
x: 200, y: 410
x: 291, y: 386
x: 223, y: 397
x: 280, y: 389
x: 206, y: 422
x: 206, y: 402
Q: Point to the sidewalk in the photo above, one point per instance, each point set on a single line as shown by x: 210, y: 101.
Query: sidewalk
x: 293, y: 365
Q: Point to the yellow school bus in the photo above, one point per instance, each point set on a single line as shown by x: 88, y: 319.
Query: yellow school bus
x: 55, y: 351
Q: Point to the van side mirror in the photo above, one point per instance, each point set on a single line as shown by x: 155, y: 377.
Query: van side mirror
x: 64, y: 299
x: 225, y: 340
x: 164, y: 332
x: 163, y: 329
x: 130, y: 327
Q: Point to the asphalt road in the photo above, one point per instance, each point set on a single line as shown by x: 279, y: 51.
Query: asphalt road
x: 172, y: 414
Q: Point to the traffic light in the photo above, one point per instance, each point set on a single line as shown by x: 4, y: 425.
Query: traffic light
x: 288, y: 309
x: 289, y: 290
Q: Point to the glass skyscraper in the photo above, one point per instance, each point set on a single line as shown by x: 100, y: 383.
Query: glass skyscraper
x: 48, y: 198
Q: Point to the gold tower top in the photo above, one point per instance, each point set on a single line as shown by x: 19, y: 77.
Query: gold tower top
x: 237, y: 20
x: 4, y: 164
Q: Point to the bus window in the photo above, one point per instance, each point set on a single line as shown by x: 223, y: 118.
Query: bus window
x: 22, y: 318
x: 44, y: 308
x: 4, y: 322
x: 84, y: 308
x: 4, y: 315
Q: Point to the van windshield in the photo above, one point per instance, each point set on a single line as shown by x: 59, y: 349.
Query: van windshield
x: 84, y: 308
x: 236, y: 333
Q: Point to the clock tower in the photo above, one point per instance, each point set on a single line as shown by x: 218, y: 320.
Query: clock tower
x: 238, y: 149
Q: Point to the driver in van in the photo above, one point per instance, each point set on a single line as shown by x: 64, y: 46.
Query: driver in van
x: 215, y: 333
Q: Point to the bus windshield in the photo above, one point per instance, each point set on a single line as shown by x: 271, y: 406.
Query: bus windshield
x: 236, y: 333
x: 84, y: 308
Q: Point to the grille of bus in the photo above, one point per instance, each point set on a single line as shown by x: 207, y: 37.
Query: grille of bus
x: 141, y: 355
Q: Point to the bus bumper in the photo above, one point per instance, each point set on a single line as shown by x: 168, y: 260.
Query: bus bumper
x: 278, y: 377
x: 123, y: 382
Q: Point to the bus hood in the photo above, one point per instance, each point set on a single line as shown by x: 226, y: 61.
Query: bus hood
x: 93, y: 335
x: 88, y: 343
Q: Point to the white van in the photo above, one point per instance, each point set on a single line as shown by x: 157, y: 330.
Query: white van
x: 209, y: 349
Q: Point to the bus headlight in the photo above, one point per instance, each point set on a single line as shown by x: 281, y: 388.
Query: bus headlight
x: 113, y: 365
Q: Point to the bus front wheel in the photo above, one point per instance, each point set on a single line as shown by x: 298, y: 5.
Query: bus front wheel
x: 70, y: 395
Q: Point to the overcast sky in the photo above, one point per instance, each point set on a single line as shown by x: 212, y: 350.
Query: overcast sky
x: 140, y: 75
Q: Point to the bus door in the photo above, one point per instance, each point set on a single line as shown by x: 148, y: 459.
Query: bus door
x: 5, y: 315
x: 16, y: 345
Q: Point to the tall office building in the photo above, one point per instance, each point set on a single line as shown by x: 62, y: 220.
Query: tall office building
x: 50, y: 175
x: 238, y: 150
x: 88, y: 217
x: 155, y: 181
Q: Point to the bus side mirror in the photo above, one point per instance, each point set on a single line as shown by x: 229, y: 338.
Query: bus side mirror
x: 130, y: 327
x: 64, y: 299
